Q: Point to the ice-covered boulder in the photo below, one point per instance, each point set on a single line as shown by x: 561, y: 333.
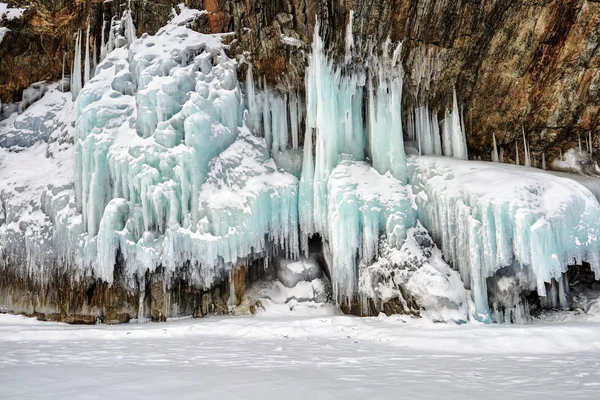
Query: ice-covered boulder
x: 291, y: 272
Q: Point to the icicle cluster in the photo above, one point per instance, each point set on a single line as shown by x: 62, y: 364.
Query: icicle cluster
x: 424, y: 129
x: 165, y: 169
x: 522, y: 219
x: 329, y: 200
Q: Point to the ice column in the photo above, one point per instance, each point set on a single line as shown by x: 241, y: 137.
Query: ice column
x: 129, y: 28
x: 459, y: 144
x: 447, y: 134
x: 526, y: 149
x: 495, y: 157
x: 76, y: 71
x: 102, y: 45
x: 86, y: 71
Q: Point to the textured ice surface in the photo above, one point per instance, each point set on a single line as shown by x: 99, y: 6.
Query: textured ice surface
x: 488, y: 216
x: 38, y: 220
x: 362, y: 204
x: 165, y: 169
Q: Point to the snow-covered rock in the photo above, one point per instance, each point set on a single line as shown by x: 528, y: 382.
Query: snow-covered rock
x: 416, y: 271
x: 291, y: 272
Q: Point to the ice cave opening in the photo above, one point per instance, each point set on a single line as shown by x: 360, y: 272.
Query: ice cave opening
x: 180, y: 191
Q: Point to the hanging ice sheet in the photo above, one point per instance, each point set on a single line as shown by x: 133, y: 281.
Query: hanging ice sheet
x: 486, y: 216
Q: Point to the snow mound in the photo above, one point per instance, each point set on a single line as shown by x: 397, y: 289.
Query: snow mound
x: 487, y: 216
x: 10, y: 12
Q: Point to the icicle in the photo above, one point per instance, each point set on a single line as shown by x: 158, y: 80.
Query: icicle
x: 517, y: 162
x: 447, y: 134
x: 459, y: 145
x: 110, y: 45
x: 294, y: 120
x: 266, y: 111
x: 424, y: 130
x: 76, y: 72
x: 62, y: 81
x: 349, y: 39
x: 102, y: 45
x: 591, y: 148
x: 252, y: 103
x: 94, y: 59
x: 501, y: 155
x: 129, y: 28
x: 495, y: 157
x: 435, y: 132
x: 410, y: 130
x: 544, y: 161
x: 526, y: 149
x: 86, y: 70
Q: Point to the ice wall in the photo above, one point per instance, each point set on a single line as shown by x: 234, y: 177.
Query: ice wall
x: 166, y: 171
x: 489, y: 216
x: 333, y: 96
x: 362, y: 204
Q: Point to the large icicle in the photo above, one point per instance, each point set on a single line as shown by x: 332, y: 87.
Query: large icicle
x: 459, y: 144
x: 76, y: 71
x: 129, y: 28
x: 86, y: 70
x: 447, y: 134
x: 526, y: 149
x: 495, y: 157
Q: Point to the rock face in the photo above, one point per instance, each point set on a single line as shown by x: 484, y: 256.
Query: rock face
x: 514, y: 63
x: 157, y: 296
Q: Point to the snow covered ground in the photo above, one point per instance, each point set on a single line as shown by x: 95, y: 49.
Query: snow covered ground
x: 300, y: 357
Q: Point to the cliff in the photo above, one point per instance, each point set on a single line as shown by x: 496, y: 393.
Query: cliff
x: 513, y: 63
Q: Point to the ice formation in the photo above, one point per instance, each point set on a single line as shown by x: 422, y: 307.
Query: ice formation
x: 76, y: 69
x: 174, y: 164
x: 578, y: 162
x: 165, y: 169
x: 495, y: 156
x: 526, y: 149
x: 361, y: 204
x: 526, y: 220
x: 424, y: 126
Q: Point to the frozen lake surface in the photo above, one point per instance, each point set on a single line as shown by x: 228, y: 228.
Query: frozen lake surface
x: 289, y: 357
